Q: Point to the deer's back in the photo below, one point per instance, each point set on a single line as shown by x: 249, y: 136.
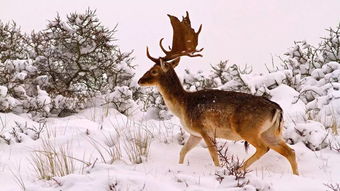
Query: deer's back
x: 227, y: 110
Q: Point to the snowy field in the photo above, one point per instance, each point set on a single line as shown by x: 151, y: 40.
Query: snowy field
x: 93, y: 128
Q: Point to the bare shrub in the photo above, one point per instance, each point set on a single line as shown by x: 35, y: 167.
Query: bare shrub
x: 335, y: 146
x: 2, y: 130
x: 16, y: 132
x: 231, y: 166
x: 7, y: 140
x: 181, y: 136
x: 333, y: 187
x: 113, y: 186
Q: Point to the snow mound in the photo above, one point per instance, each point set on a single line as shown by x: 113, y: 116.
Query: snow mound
x: 294, y: 109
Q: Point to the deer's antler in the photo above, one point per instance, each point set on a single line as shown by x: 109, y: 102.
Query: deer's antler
x: 184, y: 41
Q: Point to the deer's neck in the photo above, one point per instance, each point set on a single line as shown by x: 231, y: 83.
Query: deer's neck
x: 173, y: 93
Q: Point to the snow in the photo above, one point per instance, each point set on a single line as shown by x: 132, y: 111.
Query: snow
x: 43, y: 100
x: 21, y: 75
x: 88, y: 49
x: 318, y: 73
x: 255, y: 82
x: 3, y: 91
x: 121, y: 98
x: 313, y: 134
x: 294, y: 109
x: 160, y: 170
x: 330, y: 67
x: 19, y: 91
x: 20, y: 65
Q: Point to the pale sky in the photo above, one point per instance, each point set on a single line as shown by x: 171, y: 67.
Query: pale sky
x: 241, y: 31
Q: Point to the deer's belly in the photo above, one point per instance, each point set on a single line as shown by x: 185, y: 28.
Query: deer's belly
x: 220, y: 129
x: 228, y: 134
x: 191, y: 131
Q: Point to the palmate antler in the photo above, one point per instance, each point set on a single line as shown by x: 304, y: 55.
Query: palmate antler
x: 184, y: 41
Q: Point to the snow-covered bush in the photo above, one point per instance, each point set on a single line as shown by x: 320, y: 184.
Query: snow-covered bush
x: 61, y: 67
x: 19, y: 86
x: 39, y: 105
x: 121, y: 100
x: 198, y: 81
x: 12, y: 42
x: 297, y: 128
x: 21, y: 91
x: 7, y: 102
x: 323, y: 99
x: 313, y: 135
x: 333, y: 187
x: 221, y: 76
x: 220, y: 73
x: 20, y: 132
x: 314, y: 73
x: 64, y: 106
x: 235, y: 78
x: 78, y: 56
x: 330, y: 46
x: 151, y: 101
x: 316, y: 76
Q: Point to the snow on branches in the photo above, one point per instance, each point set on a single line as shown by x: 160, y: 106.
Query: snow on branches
x: 61, y: 67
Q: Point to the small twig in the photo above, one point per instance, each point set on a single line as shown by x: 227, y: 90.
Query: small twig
x: 303, y: 92
x: 56, y: 181
x: 333, y: 187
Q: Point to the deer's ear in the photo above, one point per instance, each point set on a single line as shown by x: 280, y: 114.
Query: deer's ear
x: 164, y: 65
x: 175, y: 62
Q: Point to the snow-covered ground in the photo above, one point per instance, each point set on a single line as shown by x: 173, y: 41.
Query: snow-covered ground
x: 159, y: 170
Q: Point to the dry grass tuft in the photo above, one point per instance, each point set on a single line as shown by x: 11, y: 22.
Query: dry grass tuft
x: 109, y: 151
x: 51, y: 161
x: 137, y: 144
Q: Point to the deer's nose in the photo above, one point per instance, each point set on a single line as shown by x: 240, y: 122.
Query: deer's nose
x: 140, y: 81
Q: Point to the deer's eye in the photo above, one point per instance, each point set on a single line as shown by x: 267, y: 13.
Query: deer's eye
x: 154, y: 72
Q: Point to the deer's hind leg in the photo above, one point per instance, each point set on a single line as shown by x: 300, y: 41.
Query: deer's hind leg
x: 261, y: 149
x: 276, y: 143
x: 248, y: 131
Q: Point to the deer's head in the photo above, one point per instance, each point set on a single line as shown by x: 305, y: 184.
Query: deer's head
x: 184, y: 43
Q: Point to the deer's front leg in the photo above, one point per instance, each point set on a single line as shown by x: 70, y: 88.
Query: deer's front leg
x: 212, y: 148
x: 191, y: 143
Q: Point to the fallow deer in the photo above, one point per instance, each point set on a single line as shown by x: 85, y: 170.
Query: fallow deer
x: 211, y: 114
